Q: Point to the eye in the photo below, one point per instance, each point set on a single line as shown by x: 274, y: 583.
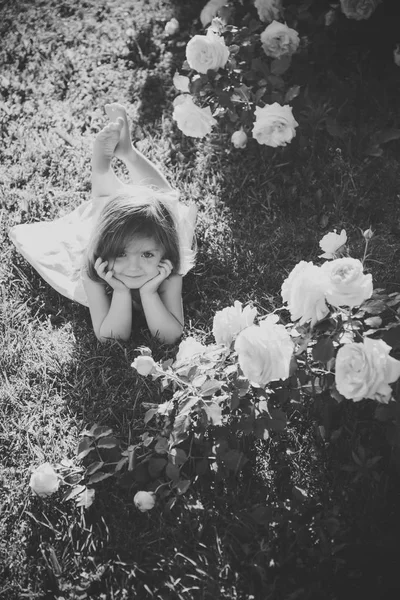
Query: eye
x: 121, y: 254
x: 148, y: 255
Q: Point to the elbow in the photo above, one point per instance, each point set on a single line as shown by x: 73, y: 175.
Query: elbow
x: 171, y: 337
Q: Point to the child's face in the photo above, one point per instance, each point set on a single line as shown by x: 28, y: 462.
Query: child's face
x: 138, y: 263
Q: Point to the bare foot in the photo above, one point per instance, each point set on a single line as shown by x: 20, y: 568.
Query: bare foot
x: 116, y: 112
x: 104, y: 146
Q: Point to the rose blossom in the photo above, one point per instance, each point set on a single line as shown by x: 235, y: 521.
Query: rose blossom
x: 331, y: 242
x: 230, y: 321
x: 144, y: 365
x: 358, y: 9
x: 191, y: 119
x: 264, y: 351
x: 365, y: 370
x: 144, y: 500
x: 279, y: 40
x: 207, y: 52
x: 304, y: 292
x: 239, y: 139
x: 348, y: 285
x: 181, y: 82
x: 210, y: 10
x: 172, y: 27
x: 268, y: 10
x: 188, y: 348
x: 44, y: 480
x: 274, y: 125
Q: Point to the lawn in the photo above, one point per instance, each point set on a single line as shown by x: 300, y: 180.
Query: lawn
x: 312, y: 515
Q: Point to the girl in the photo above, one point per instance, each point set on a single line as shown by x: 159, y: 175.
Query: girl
x: 125, y: 250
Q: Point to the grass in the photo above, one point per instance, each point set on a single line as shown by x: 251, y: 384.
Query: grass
x: 320, y: 532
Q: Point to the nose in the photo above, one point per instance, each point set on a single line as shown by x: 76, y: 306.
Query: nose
x: 134, y: 261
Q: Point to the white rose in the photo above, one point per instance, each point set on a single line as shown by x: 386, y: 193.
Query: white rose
x: 188, y: 348
x: 144, y: 365
x: 181, y: 83
x: 210, y: 10
x: 365, y: 371
x: 144, y: 500
x: 172, y: 27
x: 192, y: 120
x: 274, y: 125
x: 304, y: 292
x: 44, y: 480
x: 207, y: 52
x: 347, y: 283
x: 264, y: 351
x: 239, y: 139
x: 358, y: 9
x: 268, y: 10
x: 279, y: 40
x: 331, y: 242
x: 230, y: 321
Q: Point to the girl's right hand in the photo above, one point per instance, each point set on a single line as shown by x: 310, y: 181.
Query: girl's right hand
x: 108, y: 276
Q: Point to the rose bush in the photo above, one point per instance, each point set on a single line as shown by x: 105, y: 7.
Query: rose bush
x: 210, y: 10
x: 213, y: 396
x: 274, y: 125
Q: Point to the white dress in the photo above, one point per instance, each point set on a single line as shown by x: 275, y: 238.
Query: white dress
x: 56, y: 248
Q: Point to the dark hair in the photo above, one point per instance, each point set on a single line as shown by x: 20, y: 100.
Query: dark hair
x: 143, y: 213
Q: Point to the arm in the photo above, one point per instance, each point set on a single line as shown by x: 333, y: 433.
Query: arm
x: 163, y: 309
x: 111, y: 319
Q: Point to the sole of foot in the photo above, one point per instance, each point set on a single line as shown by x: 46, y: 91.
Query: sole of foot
x: 105, y: 144
x: 115, y: 113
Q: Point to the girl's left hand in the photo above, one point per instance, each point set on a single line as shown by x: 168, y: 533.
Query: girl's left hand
x: 164, y: 270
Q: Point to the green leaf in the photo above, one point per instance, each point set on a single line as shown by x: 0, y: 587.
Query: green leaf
x: 75, y: 491
x: 334, y: 129
x: 108, y: 442
x: 373, y: 307
x: 94, y: 467
x: 99, y: 477
x: 234, y: 460
x: 323, y: 350
x: 278, y: 419
x: 292, y: 93
x: 84, y: 447
x: 392, y: 336
x: 172, y: 471
x: 178, y: 456
x: 101, y: 431
x: 386, y: 135
x: 281, y: 65
x: 86, y: 498
x: 182, y: 486
x: 161, y: 446
x: 156, y: 465
x: 210, y: 387
x: 120, y: 464
x: 214, y: 414
x: 149, y: 415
